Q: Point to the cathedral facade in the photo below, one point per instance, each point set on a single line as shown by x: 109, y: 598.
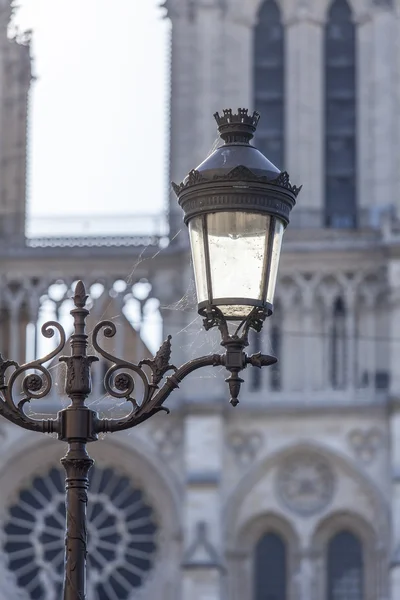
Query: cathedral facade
x: 295, y: 493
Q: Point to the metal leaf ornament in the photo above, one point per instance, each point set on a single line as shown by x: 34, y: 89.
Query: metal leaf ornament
x: 159, y: 365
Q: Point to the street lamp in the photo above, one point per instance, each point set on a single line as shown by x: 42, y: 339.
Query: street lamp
x: 236, y: 205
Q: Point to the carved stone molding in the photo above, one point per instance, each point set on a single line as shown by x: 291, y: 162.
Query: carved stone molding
x: 305, y: 483
x: 365, y: 443
x: 202, y: 552
x: 245, y: 445
x: 168, y: 439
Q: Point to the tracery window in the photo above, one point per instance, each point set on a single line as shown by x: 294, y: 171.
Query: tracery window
x: 338, y: 345
x: 345, y: 567
x: 122, y: 536
x: 269, y: 81
x: 270, y: 568
x: 340, y: 117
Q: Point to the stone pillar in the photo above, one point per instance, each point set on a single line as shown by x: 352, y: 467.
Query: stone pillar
x: 350, y: 339
x: 15, y: 72
x: 14, y: 302
x: 367, y: 359
x: 309, y: 343
x: 384, y: 102
x: 305, y: 581
x: 394, y: 424
x: 197, y: 76
x: 304, y: 110
x: 171, y: 289
x: 327, y: 325
x: 365, y: 83
x: 183, y: 74
x: 203, y: 447
x: 238, y: 25
x: 211, y: 69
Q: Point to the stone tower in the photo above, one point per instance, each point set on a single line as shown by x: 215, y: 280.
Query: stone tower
x: 15, y: 81
x: 325, y: 77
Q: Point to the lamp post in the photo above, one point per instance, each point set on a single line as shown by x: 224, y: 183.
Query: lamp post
x: 236, y: 205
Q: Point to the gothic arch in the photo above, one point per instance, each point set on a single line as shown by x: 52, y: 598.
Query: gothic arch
x: 335, y: 522
x: 359, y: 9
x: 251, y: 531
x: 374, y: 562
x: 241, y: 564
x: 259, y: 470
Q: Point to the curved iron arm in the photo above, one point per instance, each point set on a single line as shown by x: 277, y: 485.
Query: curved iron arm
x: 154, y: 403
x: 34, y: 386
x: 120, y: 384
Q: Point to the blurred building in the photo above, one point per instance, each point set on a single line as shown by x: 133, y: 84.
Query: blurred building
x: 295, y: 494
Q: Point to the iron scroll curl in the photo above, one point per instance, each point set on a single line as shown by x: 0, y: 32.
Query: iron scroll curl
x: 117, y: 381
x: 34, y: 385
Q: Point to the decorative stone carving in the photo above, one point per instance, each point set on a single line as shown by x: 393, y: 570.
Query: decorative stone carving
x: 168, y: 439
x: 245, y: 445
x: 202, y: 552
x: 305, y: 483
x: 365, y: 444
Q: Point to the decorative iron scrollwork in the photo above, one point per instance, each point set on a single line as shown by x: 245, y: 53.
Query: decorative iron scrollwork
x: 34, y: 385
x: 239, y: 173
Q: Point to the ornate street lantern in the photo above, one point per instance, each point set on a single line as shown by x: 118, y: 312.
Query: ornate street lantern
x: 236, y: 204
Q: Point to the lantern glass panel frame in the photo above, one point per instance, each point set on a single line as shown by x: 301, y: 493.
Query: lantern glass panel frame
x: 235, y: 258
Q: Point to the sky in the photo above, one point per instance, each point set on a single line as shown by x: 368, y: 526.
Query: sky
x: 99, y: 107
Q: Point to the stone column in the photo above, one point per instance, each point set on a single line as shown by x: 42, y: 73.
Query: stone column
x: 365, y: 84
x: 14, y: 302
x: 367, y: 359
x: 238, y: 23
x: 34, y: 309
x: 394, y: 415
x: 183, y: 94
x: 16, y: 76
x: 326, y: 342
x: 305, y: 581
x: 203, y: 445
x: 304, y: 109
x: 384, y: 104
x: 309, y: 343
x: 171, y: 287
x: 350, y: 340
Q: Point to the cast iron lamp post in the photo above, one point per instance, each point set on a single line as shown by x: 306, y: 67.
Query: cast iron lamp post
x: 236, y: 205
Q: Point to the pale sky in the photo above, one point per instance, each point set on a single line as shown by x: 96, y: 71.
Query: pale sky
x: 99, y: 108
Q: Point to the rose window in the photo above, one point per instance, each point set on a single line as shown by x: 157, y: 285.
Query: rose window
x: 122, y: 537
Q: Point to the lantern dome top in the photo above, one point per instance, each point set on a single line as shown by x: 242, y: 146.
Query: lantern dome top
x: 236, y: 131
x: 237, y: 176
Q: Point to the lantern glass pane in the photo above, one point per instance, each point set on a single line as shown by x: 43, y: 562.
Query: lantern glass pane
x: 196, y: 234
x: 238, y: 243
x: 274, y: 264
